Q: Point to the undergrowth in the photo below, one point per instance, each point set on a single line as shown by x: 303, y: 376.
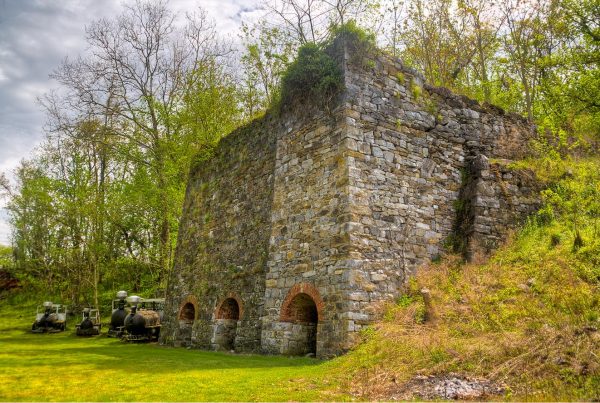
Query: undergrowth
x: 528, y: 318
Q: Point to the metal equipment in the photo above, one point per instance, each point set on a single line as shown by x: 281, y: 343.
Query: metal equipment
x: 90, y: 324
x: 50, y: 318
x: 144, y: 321
x: 119, y: 312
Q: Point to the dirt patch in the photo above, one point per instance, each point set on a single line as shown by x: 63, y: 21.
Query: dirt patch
x: 8, y: 282
x: 449, y: 386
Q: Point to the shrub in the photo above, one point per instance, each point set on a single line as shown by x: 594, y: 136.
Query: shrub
x: 355, y: 36
x: 416, y: 90
x: 555, y: 239
x: 313, y: 75
x: 401, y: 78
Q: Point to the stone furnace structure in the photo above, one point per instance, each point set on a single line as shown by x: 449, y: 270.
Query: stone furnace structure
x: 302, y: 224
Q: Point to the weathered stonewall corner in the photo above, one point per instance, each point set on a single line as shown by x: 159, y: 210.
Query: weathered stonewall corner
x: 301, y: 225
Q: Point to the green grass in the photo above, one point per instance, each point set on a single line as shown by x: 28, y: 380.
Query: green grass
x: 64, y: 367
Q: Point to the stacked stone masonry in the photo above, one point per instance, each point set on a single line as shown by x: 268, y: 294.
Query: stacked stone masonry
x: 302, y: 225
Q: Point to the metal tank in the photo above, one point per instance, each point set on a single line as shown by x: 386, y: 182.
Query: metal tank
x: 90, y: 324
x: 117, y: 318
x: 142, y: 323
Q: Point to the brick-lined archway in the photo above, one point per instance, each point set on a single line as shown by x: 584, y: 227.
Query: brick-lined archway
x: 188, y: 309
x: 301, y: 295
x: 226, y: 309
x: 227, y: 314
x: 302, y: 309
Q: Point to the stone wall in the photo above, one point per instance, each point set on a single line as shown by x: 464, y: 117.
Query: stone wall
x: 495, y: 201
x: 409, y: 151
x: 223, y: 240
x: 311, y: 221
x: 309, y: 242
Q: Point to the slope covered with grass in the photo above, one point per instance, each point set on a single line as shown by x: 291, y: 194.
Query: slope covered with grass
x: 527, y: 319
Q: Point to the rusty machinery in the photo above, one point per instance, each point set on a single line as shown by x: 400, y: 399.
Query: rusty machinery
x: 144, y: 321
x: 50, y: 318
x: 90, y: 324
x: 119, y: 312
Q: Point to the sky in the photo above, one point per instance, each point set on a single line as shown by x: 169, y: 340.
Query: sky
x: 36, y: 35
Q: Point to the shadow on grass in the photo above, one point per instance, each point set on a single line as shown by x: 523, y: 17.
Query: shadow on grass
x: 148, y: 358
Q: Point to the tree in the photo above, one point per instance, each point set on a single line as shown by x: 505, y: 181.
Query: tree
x: 580, y: 58
x: 32, y: 217
x: 309, y: 21
x: 394, y: 14
x: 139, y: 69
x: 268, y: 52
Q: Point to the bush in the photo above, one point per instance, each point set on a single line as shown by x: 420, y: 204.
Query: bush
x: 354, y: 35
x: 313, y: 75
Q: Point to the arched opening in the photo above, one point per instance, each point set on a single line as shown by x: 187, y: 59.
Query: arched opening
x: 301, y: 309
x: 229, y: 309
x: 302, y: 313
x: 187, y: 312
x: 226, y: 320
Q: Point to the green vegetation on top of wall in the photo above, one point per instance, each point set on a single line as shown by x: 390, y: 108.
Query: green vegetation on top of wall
x: 314, y: 76
x: 356, y: 37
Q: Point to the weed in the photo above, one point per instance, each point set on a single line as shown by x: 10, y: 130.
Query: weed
x: 400, y: 77
x: 416, y: 90
x: 367, y: 333
x: 404, y: 301
x: 431, y: 107
x: 369, y: 63
x: 555, y: 239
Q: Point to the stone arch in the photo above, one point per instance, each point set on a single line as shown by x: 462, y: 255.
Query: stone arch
x: 302, y: 311
x: 230, y: 307
x: 298, y: 294
x: 188, y: 309
x: 227, y: 314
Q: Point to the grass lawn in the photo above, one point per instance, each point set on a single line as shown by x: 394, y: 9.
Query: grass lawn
x: 64, y: 367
